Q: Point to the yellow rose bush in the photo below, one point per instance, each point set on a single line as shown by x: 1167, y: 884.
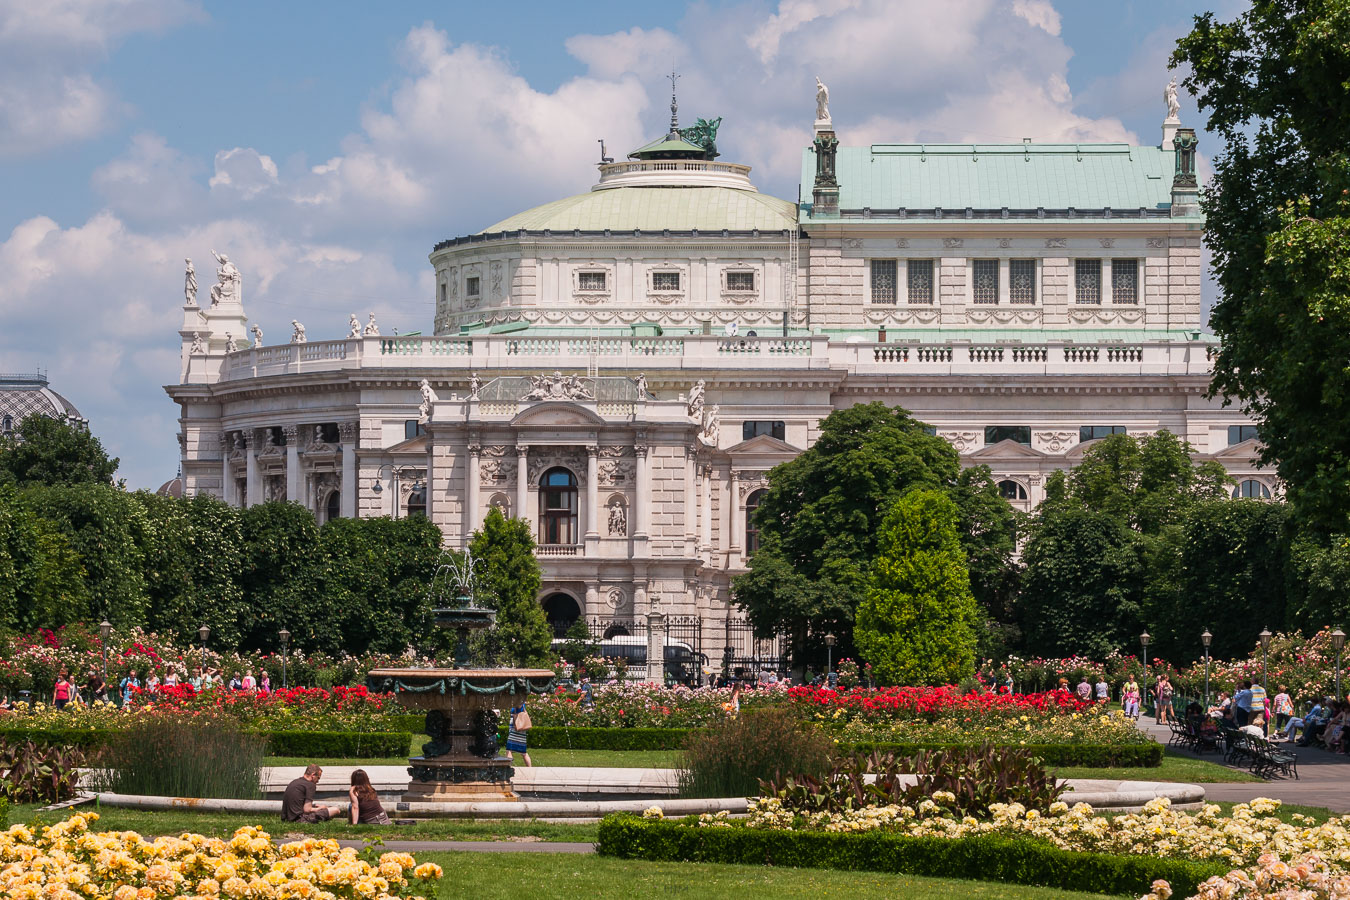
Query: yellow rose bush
x: 1239, y: 838
x: 68, y: 861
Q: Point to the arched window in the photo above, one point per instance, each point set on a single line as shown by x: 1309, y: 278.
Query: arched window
x: 1251, y: 489
x: 558, y: 507
x: 7, y: 424
x: 561, y: 610
x: 1011, y: 490
x: 417, y: 501
x: 751, y: 529
x: 333, y: 507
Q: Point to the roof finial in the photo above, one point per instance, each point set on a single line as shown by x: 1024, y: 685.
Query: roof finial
x: 674, y: 107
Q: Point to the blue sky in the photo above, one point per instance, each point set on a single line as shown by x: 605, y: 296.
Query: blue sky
x: 327, y: 146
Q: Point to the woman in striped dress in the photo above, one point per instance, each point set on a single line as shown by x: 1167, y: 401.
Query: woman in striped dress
x: 516, y: 740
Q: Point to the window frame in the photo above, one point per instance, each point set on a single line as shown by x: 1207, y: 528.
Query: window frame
x: 561, y: 520
x: 417, y: 502
x: 1035, y: 282
x: 1019, y: 494
x: 658, y: 273
x: 1078, y: 264
x: 413, y: 428
x: 473, y: 285
x: 730, y: 288
x: 752, y: 531
x: 984, y: 267
x: 750, y: 429
x: 1242, y: 491
x: 874, y: 282
x: 1137, y: 276
x: 990, y: 432
x: 1249, y: 430
x: 583, y: 274
x: 931, y: 264
x: 1084, y: 430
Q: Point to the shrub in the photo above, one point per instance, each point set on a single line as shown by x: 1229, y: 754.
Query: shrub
x: 545, y: 737
x: 1093, y: 756
x: 986, y: 857
x: 4, y: 813
x: 30, y: 773
x: 169, y: 757
x: 338, y: 744
x: 730, y: 758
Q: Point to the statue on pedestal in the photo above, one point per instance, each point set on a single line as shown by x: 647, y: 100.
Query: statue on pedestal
x: 428, y: 398
x: 228, y: 280
x: 230, y: 344
x: 372, y: 330
x: 1170, y: 98
x: 354, y: 327
x: 695, y: 407
x: 198, y: 346
x: 618, y: 519
x: 711, y: 425
x: 822, y: 102
x: 475, y: 383
x: 190, y: 285
x: 257, y: 335
x: 642, y: 386
x: 297, y: 332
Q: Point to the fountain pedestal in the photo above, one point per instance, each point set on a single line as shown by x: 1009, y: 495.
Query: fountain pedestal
x: 460, y: 763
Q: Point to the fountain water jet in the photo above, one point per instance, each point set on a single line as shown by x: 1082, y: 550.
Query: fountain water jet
x: 461, y: 762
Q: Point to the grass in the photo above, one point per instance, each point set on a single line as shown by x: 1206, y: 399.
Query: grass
x: 599, y: 878
x: 217, y: 824
x: 628, y: 759
x: 1175, y: 767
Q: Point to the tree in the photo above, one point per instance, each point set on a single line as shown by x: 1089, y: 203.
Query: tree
x: 41, y: 576
x: 281, y: 544
x: 916, y: 622
x: 43, y: 450
x: 1276, y: 84
x: 1082, y: 588
x: 511, y: 576
x: 820, y: 519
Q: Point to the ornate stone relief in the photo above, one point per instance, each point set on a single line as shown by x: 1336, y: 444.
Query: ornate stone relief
x: 1004, y: 243
x: 1157, y: 243
x: 452, y: 278
x: 1034, y: 480
x: 953, y: 243
x: 497, y: 471
x: 1107, y: 243
x: 751, y: 482
x: 348, y: 431
x: 853, y: 243
x: 1055, y: 243
x: 961, y: 440
x: 495, y: 277
x: 274, y: 487
x: 558, y: 387
x: 608, y: 451
x: 615, y: 472
x: 1002, y: 315
x: 614, y: 598
x: 902, y: 243
x: 1055, y: 441
x: 542, y: 459
x: 1106, y: 315
x: 904, y: 315
x: 617, y: 518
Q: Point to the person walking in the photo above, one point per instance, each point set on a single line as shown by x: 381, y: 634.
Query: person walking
x: 1084, y: 690
x: 265, y: 685
x: 1129, y: 695
x: 63, y: 692
x: 95, y: 688
x: 1102, y: 690
x: 517, y: 733
x: 129, y: 688
x: 1242, y: 703
x: 1258, y: 702
x: 1283, y: 708
x: 366, y: 808
x: 1164, y: 710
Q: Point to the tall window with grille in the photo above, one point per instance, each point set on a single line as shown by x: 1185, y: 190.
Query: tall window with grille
x: 1087, y: 280
x: 1124, y: 281
x: 883, y: 280
x: 665, y: 281
x: 985, y: 282
x: 1022, y: 281
x: 920, y: 282
x: 740, y: 281
x: 591, y: 281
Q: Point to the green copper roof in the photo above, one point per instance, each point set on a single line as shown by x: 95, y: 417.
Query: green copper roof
x: 668, y: 147
x: 920, y: 177
x: 656, y: 209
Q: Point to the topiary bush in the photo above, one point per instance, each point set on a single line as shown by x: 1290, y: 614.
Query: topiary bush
x: 730, y: 758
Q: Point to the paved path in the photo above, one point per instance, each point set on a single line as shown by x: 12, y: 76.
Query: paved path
x: 1324, y: 777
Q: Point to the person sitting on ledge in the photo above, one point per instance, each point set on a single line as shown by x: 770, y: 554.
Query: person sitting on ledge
x: 297, y: 803
x: 366, y: 808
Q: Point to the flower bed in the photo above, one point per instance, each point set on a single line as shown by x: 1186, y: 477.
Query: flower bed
x: 991, y: 857
x: 322, y: 744
x: 1307, y: 877
x: 68, y: 860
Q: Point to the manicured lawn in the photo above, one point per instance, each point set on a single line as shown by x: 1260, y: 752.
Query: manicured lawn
x: 216, y: 824
x: 492, y: 876
x: 1175, y: 767
x: 630, y: 759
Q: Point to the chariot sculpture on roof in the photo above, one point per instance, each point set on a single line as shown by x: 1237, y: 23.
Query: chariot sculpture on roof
x: 703, y: 133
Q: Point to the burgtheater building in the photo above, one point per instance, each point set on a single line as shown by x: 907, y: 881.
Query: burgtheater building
x: 622, y: 367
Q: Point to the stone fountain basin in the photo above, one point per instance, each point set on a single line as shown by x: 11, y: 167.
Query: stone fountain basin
x: 461, y: 689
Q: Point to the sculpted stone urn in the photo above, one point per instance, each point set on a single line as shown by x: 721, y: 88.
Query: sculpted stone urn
x: 461, y: 762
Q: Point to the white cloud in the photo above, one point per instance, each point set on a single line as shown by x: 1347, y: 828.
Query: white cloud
x: 151, y: 180
x: 1040, y: 13
x: 244, y: 171
x: 48, y: 96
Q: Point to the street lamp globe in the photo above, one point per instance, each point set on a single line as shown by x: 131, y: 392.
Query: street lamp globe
x: 1265, y: 638
x: 284, y: 635
x: 1338, y: 640
x: 204, y: 632
x: 1206, y: 637
x: 105, y: 630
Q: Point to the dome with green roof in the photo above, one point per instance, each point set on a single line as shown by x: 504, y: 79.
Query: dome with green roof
x: 652, y: 208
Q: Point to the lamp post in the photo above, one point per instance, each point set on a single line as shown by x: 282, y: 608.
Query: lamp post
x: 105, y: 632
x: 1338, y: 641
x: 1265, y: 645
x: 395, y: 474
x: 285, y: 637
x: 204, y: 632
x: 1205, y: 638
x: 830, y: 641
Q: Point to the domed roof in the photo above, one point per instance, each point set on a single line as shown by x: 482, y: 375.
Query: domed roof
x: 656, y: 209
x: 24, y: 395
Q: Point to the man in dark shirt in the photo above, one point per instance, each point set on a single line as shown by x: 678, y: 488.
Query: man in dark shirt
x: 297, y: 803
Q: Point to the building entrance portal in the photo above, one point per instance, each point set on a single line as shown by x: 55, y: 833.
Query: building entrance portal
x: 561, y: 611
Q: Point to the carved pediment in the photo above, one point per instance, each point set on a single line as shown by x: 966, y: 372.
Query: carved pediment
x: 1007, y: 449
x: 417, y: 444
x: 1247, y: 451
x: 558, y: 412
x: 763, y: 443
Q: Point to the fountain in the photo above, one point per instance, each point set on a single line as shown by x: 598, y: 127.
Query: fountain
x: 461, y: 761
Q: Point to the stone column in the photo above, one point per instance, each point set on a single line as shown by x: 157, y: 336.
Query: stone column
x: 522, y: 480
x: 642, y: 503
x: 737, y: 521
x: 690, y: 501
x: 252, y: 483
x: 705, y: 538
x: 292, y: 434
x: 471, y: 492
x: 656, y: 647
x: 592, y: 599
x: 226, y: 481
x: 348, y: 432
x: 592, y: 495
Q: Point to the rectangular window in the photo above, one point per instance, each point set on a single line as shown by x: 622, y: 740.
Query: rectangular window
x: 740, y: 281
x: 1239, y: 433
x: 985, y: 285
x: 883, y: 280
x: 1093, y: 432
x: 665, y: 281
x: 471, y: 285
x: 1087, y: 280
x: 1022, y: 280
x: 442, y: 293
x: 591, y: 281
x: 1124, y: 281
x: 754, y: 429
x: 412, y: 428
x: 920, y: 281
x: 995, y: 433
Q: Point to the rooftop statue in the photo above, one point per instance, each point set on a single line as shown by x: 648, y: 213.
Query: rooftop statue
x: 371, y: 329
x: 695, y: 407
x: 558, y: 387
x: 703, y: 133
x: 197, y: 345
x: 1170, y: 98
x: 297, y: 332
x: 230, y: 344
x: 190, y: 284
x: 428, y: 398
x: 354, y: 327
x: 822, y: 101
x: 228, y: 281
x: 257, y: 335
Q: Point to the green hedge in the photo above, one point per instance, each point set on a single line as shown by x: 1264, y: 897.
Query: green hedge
x: 319, y: 744
x: 413, y: 723
x: 4, y: 813
x: 984, y: 857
